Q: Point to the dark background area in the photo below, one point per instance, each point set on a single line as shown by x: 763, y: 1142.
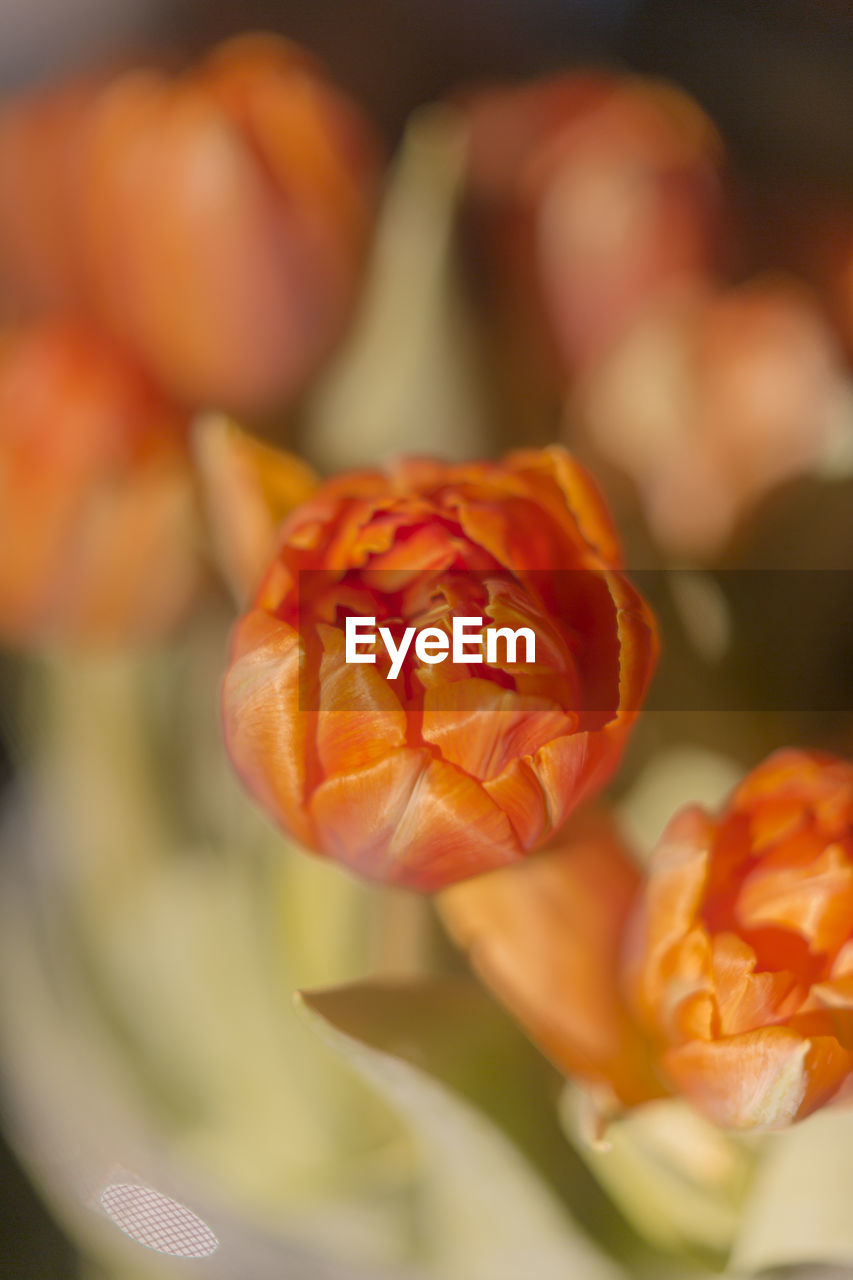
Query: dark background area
x: 776, y: 78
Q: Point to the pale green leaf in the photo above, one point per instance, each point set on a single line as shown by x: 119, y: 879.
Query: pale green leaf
x: 444, y: 1057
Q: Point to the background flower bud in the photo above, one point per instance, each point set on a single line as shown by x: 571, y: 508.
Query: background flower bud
x: 98, y: 524
x: 214, y: 221
x: 709, y: 404
x: 450, y: 769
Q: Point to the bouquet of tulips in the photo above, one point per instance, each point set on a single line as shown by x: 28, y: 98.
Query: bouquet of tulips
x: 428, y: 840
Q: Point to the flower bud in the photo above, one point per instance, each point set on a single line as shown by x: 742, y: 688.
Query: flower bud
x: 214, y: 221
x: 710, y: 404
x: 438, y: 764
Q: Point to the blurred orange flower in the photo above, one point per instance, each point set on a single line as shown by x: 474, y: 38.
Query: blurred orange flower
x: 725, y: 975
x: 215, y: 221
x: 446, y: 770
x: 711, y: 403
x: 600, y: 193
x: 99, y: 539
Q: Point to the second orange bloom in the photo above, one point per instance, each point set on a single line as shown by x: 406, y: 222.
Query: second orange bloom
x: 725, y: 975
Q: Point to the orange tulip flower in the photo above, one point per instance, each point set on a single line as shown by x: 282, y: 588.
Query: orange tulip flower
x: 424, y: 770
x: 99, y: 539
x: 741, y: 966
x: 725, y: 975
x: 215, y: 221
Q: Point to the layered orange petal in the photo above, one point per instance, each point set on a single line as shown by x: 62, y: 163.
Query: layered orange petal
x: 669, y: 909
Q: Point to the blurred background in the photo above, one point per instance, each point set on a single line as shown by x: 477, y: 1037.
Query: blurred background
x: 776, y: 82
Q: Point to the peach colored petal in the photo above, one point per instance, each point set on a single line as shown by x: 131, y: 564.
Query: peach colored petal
x: 747, y: 1000
x: 99, y: 526
x: 451, y: 829
x: 518, y: 792
x: 843, y: 962
x: 787, y: 773
x: 775, y: 820
x: 685, y: 1005
x: 815, y: 901
x: 40, y: 135
x: 759, y: 1080
x: 428, y: 548
x: 510, y: 604
x: 130, y: 570
x: 836, y: 997
x: 482, y: 728
x: 357, y: 814
x: 567, y: 768
x: 315, y: 145
x: 265, y: 730
x: 677, y: 878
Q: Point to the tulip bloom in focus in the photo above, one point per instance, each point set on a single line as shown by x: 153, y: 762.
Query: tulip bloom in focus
x: 98, y: 524
x: 215, y: 221
x: 729, y: 981
x: 600, y: 194
x: 450, y: 769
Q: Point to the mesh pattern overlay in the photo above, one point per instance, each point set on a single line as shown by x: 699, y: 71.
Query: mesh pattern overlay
x: 158, y: 1222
